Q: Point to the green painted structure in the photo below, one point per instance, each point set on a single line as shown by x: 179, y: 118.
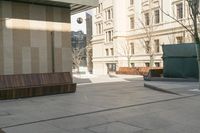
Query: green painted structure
x: 180, y: 61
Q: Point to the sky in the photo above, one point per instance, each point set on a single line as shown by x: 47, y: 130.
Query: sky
x: 75, y: 26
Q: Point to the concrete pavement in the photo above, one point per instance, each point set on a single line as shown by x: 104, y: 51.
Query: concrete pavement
x: 179, y: 88
x: 122, y: 105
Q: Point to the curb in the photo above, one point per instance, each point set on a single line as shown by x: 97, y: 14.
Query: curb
x: 159, y: 89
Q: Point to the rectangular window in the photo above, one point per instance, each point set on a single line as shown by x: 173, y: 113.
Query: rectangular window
x: 179, y: 10
x: 132, y: 23
x: 111, y: 51
x: 107, y: 52
x: 132, y: 48
x: 147, y: 19
x: 157, y: 16
x: 147, y: 64
x: 179, y: 39
x: 157, y: 64
x: 157, y: 46
x: 131, y: 2
x: 109, y: 36
x: 111, y: 67
x: 147, y: 47
x: 132, y: 64
x: 99, y: 28
x: 109, y: 14
x: 100, y: 8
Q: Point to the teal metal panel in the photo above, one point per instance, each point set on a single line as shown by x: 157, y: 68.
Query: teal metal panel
x: 180, y: 61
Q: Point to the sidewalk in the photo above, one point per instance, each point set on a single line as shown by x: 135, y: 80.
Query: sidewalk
x: 124, y: 106
x: 91, y: 78
x: 178, y: 88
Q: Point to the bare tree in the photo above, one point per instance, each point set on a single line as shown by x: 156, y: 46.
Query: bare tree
x: 89, y: 53
x: 193, y: 29
x: 148, y: 29
x: 77, y: 56
x: 147, y: 41
x: 126, y: 51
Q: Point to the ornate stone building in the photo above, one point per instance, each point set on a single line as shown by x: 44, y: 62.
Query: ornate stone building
x: 131, y: 32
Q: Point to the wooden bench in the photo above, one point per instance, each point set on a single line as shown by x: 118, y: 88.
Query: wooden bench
x: 31, y: 85
x: 153, y: 73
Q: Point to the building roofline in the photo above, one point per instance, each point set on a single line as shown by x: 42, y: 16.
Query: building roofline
x: 75, y: 6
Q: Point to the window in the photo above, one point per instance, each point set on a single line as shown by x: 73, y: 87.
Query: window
x: 147, y: 19
x: 107, y: 52
x: 100, y: 8
x: 131, y: 2
x: 179, y: 10
x: 147, y: 47
x: 109, y: 14
x: 99, y: 28
x: 111, y: 67
x: 109, y: 36
x: 111, y: 51
x: 147, y: 64
x: 132, y: 23
x: 157, y: 16
x: 157, y: 46
x: 132, y: 64
x: 157, y: 64
x: 179, y: 39
x: 132, y: 48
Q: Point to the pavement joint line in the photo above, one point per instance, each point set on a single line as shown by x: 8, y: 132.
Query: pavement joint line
x: 98, y: 111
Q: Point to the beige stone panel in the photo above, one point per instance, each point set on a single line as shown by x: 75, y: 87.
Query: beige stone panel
x: 38, y: 26
x: 57, y: 27
x: 66, y: 59
x: 49, y: 19
x: 66, y: 27
x: 39, y: 34
x: 1, y: 43
x: 49, y: 51
x: 58, y: 39
x: 66, y: 39
x: 7, y: 38
x: 35, y: 60
x: 26, y: 60
x: 17, y: 51
x: 58, y: 59
x: 21, y: 37
x: 43, y: 62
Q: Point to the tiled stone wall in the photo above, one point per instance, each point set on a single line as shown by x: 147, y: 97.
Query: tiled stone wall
x: 27, y: 36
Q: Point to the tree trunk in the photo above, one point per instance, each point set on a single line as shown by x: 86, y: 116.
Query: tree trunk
x: 151, y: 60
x: 198, y: 59
x: 129, y: 60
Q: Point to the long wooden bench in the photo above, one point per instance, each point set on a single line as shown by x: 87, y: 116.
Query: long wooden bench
x: 31, y: 85
x: 153, y: 73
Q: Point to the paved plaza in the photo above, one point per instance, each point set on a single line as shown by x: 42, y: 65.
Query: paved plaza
x: 104, y: 104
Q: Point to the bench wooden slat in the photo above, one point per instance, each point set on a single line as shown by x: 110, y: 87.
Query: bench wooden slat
x: 29, y: 85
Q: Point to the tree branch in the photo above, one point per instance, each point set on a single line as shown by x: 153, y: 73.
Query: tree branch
x: 192, y: 33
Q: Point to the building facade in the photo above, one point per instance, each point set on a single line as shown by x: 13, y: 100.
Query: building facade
x: 131, y: 32
x: 35, y: 37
